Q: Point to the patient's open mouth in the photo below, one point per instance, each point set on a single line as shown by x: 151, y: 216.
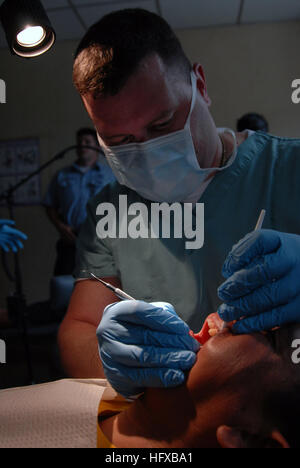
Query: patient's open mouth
x: 213, y: 324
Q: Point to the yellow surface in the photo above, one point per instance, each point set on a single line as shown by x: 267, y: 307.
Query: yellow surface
x: 107, y: 409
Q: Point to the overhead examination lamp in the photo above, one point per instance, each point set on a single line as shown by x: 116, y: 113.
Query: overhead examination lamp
x: 27, y: 27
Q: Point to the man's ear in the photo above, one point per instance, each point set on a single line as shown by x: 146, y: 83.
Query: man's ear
x: 201, y: 82
x: 231, y: 437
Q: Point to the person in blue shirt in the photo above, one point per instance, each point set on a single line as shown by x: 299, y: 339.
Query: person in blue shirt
x: 68, y: 194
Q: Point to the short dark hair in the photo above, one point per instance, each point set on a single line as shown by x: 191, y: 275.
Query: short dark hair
x: 282, y: 401
x: 252, y: 121
x: 282, y: 408
x: 86, y: 131
x: 113, y: 48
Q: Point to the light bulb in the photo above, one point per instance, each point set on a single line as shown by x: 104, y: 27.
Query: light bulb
x: 31, y: 36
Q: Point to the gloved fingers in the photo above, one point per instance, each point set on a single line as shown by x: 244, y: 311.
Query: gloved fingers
x: 19, y: 243
x: 288, y: 313
x: 148, y: 315
x: 255, y: 244
x: 267, y: 297
x: 134, y: 381
x: 146, y: 356
x: 138, y: 335
x: 13, y: 247
x: 262, y: 271
x: 14, y: 244
x: 14, y: 232
x: 9, y: 243
x: 9, y: 222
x: 4, y: 246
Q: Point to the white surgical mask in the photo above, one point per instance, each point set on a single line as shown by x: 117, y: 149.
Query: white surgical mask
x: 164, y: 169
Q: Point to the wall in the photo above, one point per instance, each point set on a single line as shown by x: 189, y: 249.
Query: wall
x: 41, y: 102
x: 248, y: 68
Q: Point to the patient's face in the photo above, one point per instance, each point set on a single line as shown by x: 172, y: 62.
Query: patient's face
x: 232, y: 370
x: 228, y: 386
x: 226, y: 354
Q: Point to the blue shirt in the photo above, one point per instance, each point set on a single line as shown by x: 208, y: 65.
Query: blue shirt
x: 71, y: 189
x: 265, y: 174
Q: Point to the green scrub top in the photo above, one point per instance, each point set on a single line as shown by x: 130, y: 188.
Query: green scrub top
x: 265, y: 174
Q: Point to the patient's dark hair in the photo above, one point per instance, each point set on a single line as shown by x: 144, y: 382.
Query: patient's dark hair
x: 282, y: 401
x: 282, y: 406
x: 114, y: 47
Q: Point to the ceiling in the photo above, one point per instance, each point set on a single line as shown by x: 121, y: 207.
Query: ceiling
x: 71, y: 18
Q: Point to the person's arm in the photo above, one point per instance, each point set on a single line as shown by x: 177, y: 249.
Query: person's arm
x: 64, y: 230
x: 77, y: 334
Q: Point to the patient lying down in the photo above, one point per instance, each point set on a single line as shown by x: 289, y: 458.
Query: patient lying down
x: 242, y: 392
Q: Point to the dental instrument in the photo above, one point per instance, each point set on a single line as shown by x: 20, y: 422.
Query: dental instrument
x: 258, y: 226
x: 118, y: 292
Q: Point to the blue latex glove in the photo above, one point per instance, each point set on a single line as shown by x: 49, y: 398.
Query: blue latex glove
x: 263, y: 285
x: 144, y: 345
x: 10, y: 237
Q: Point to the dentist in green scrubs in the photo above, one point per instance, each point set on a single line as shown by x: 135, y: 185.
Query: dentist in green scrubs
x: 150, y: 107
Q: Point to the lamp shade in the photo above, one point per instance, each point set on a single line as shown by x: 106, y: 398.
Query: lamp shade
x: 27, y: 27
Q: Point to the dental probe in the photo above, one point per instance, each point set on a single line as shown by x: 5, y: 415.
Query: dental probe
x: 260, y: 220
x: 258, y: 226
x: 118, y: 292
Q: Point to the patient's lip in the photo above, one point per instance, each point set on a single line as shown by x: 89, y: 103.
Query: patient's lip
x: 203, y: 336
x: 212, y: 326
